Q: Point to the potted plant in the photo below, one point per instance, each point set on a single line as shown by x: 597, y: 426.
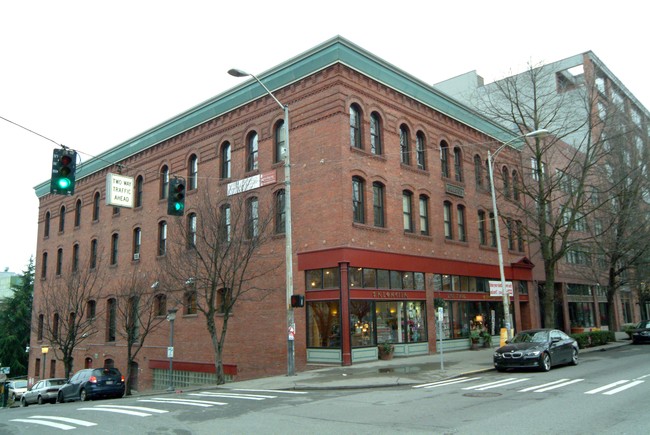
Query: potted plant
x: 487, y: 338
x: 386, y: 350
x: 474, y: 337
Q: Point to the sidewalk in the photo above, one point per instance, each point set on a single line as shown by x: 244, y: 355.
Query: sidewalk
x: 398, y: 371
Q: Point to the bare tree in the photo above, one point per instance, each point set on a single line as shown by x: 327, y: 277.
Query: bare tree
x: 138, y: 314
x: 69, y: 308
x: 554, y: 203
x: 212, y: 267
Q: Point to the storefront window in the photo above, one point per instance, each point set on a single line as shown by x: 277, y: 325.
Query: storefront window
x: 383, y: 279
x: 323, y: 324
x: 374, y: 322
x: 462, y: 317
x: 317, y: 279
x: 603, y: 309
x: 361, y: 324
x: 582, y: 314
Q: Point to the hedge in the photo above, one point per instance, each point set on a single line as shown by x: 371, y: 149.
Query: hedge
x: 594, y: 338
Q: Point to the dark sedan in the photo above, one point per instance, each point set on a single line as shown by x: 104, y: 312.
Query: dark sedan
x: 88, y: 384
x: 44, y: 391
x: 641, y: 332
x: 537, y: 348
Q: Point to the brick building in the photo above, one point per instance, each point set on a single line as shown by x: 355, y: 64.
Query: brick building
x: 390, y: 218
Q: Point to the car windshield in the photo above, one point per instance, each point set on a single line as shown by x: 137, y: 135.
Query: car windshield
x: 531, y: 337
x: 643, y: 325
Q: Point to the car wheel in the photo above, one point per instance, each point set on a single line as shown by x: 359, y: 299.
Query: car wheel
x: 574, y: 357
x: 545, y: 362
x: 40, y: 400
x: 82, y: 395
x: 23, y: 402
x: 59, y: 398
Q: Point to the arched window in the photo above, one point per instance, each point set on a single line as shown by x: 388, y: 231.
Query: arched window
x: 358, y: 203
x: 164, y: 182
x: 458, y: 164
x: 189, y: 301
x: 493, y: 231
x: 44, y: 265
x: 378, y: 204
x: 482, y: 237
x: 192, y: 172
x: 137, y: 243
x: 93, y: 254
x: 162, y: 238
x: 77, y: 213
x: 46, y: 225
x: 225, y: 222
x: 444, y: 159
x: 55, y: 326
x: 419, y: 150
x: 111, y: 319
x: 41, y: 322
x: 75, y: 258
x: 355, y: 126
x: 460, y: 221
x: 280, y: 212
x: 447, y: 220
x: 478, y: 171
x: 91, y: 309
x: 252, y: 149
x: 59, y: 261
x: 252, y: 214
x: 62, y: 219
x: 404, y: 146
x: 506, y: 182
x: 191, y: 230
x: 115, y: 238
x: 375, y: 134
x: 160, y: 305
x: 96, y: 207
x: 407, y: 210
x: 424, y: 215
x: 225, y: 160
x: 515, y: 186
x: 280, y: 142
x: 139, y: 189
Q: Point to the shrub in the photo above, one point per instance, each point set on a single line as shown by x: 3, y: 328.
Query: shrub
x: 627, y: 328
x: 593, y: 338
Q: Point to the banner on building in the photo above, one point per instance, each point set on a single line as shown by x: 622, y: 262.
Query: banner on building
x: 497, y: 290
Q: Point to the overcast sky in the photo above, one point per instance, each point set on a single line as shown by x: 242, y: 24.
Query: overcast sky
x: 92, y: 74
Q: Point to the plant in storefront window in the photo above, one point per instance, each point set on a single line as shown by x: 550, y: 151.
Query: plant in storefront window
x: 487, y: 338
x: 386, y: 350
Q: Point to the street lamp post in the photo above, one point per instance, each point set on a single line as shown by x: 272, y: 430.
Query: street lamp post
x: 171, y: 316
x: 45, y: 350
x: 505, y: 296
x: 291, y: 371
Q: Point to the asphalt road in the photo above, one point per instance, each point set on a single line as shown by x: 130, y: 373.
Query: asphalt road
x: 606, y: 393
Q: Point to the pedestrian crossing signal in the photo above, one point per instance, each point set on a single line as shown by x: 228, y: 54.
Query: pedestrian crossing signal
x: 297, y: 301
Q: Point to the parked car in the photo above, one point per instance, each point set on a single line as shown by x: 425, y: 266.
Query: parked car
x: 537, y: 348
x: 88, y: 384
x: 17, y: 388
x: 45, y: 391
x: 641, y: 332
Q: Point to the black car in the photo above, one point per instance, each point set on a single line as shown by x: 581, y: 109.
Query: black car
x: 537, y: 348
x: 88, y: 384
x: 641, y: 332
x: 44, y: 391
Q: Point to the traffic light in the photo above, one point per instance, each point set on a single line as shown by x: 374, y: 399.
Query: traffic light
x: 176, y: 197
x: 297, y: 301
x: 64, y: 164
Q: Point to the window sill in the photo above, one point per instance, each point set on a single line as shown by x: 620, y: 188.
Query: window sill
x: 456, y: 242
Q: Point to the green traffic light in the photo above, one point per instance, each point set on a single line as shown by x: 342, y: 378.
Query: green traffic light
x: 178, y: 206
x: 64, y: 183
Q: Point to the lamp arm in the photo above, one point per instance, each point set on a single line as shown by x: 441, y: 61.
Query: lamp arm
x: 268, y: 91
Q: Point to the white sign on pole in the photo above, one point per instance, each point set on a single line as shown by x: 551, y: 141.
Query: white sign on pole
x: 496, y: 288
x: 119, y: 190
x: 170, y: 352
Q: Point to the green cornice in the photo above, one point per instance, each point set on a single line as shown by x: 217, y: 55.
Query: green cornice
x: 335, y: 50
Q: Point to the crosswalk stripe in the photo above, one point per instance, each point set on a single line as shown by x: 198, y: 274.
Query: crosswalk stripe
x: 211, y: 393
x: 44, y: 423
x: 574, y: 381
x: 135, y: 408
x: 117, y: 411
x: 624, y: 387
x: 178, y: 399
x: 607, y: 387
x: 446, y: 382
x: 183, y: 402
x: 232, y: 396
x: 542, y: 386
x: 502, y: 384
x: 66, y: 420
x: 269, y: 391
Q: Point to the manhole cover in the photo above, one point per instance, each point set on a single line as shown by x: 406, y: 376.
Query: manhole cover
x: 482, y: 394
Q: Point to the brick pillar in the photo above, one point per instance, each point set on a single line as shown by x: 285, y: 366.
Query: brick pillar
x: 345, y: 316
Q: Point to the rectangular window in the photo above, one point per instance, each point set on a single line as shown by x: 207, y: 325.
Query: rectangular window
x: 447, y: 220
x: 114, y: 243
x: 481, y: 228
x: 460, y: 218
x: 424, y: 215
x: 407, y: 211
x: 378, y: 204
x: 357, y: 200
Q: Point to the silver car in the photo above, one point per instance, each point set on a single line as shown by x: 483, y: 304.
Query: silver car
x: 45, y: 391
x: 16, y: 389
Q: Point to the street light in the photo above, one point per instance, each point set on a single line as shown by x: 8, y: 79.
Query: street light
x: 287, y: 224
x: 45, y: 350
x: 171, y: 316
x: 505, y: 296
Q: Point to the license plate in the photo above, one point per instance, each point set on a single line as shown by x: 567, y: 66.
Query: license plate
x: 109, y: 382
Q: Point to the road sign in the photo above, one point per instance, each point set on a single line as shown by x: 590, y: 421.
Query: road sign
x: 4, y: 370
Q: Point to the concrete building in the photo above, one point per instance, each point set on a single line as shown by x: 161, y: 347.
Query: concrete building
x: 588, y: 91
x: 390, y: 219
